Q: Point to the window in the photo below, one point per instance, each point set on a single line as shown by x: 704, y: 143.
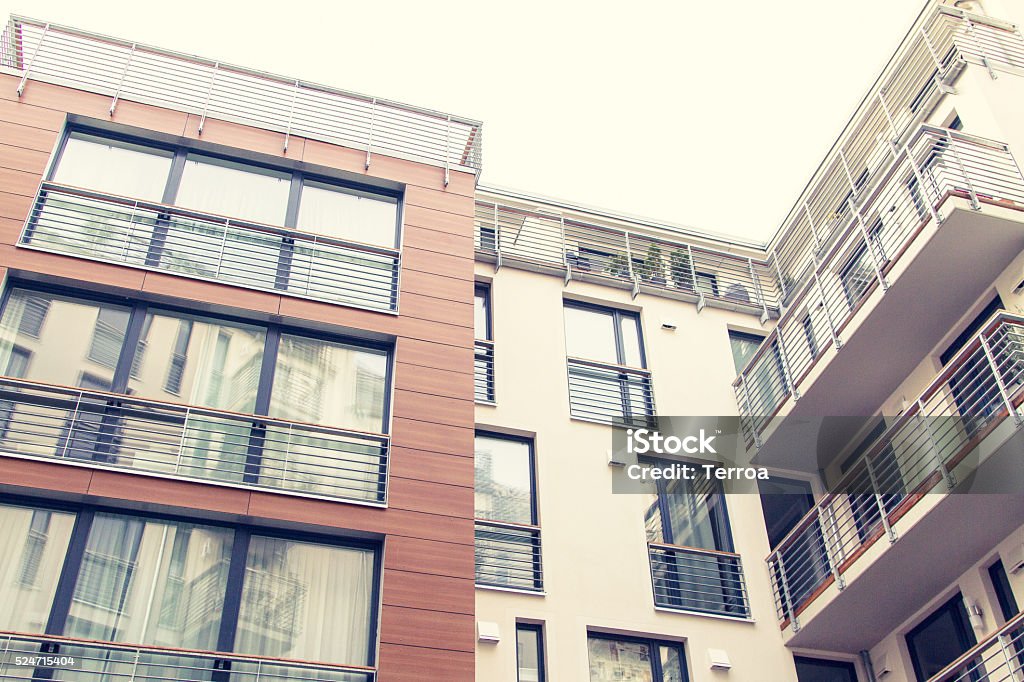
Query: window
x: 483, y: 359
x: 221, y: 364
x: 617, y: 658
x: 1004, y: 593
x: 167, y: 582
x: 743, y: 346
x: 530, y: 653
x: 505, y: 508
x: 812, y: 341
x: 821, y: 670
x: 692, y: 561
x: 765, y: 382
x: 940, y: 639
x: 607, y: 379
x: 227, y: 241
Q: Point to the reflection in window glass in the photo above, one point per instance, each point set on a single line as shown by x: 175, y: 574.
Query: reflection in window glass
x: 482, y: 311
x: 80, y: 338
x: 306, y: 601
x: 348, y: 214
x: 32, y: 549
x: 212, y: 363
x: 503, y: 487
x: 630, y: 328
x: 233, y: 189
x: 590, y: 334
x: 329, y: 383
x: 743, y: 348
x: 151, y: 581
x: 613, y: 660
x: 120, y: 168
x: 529, y: 653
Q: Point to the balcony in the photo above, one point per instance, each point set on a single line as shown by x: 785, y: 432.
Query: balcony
x: 163, y: 238
x: 483, y: 371
x: 125, y: 70
x: 839, y: 577
x: 698, y: 581
x: 947, y: 197
x: 997, y: 658
x: 573, y: 249
x: 610, y: 394
x: 508, y: 556
x: 120, y: 432
x: 115, y: 662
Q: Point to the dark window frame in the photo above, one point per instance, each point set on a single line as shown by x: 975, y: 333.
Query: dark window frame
x: 241, y: 535
x: 617, y: 316
x: 962, y: 626
x: 538, y: 630
x: 483, y: 352
x: 845, y: 666
x: 654, y: 645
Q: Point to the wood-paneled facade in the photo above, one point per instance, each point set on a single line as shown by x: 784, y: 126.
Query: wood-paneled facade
x: 426, y: 622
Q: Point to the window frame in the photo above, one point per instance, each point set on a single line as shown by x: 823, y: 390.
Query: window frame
x: 538, y: 630
x: 483, y: 346
x: 653, y: 643
x: 242, y: 534
x: 298, y: 174
x: 618, y: 315
x: 530, y: 442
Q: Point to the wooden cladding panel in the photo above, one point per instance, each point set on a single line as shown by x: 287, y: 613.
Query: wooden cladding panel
x: 428, y: 592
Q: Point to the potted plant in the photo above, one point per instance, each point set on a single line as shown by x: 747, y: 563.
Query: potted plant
x: 653, y: 267
x: 682, y: 270
x: 618, y: 266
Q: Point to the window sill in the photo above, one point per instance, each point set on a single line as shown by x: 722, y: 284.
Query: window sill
x: 513, y: 590
x: 705, y: 614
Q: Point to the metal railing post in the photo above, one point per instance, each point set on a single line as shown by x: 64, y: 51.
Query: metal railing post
x: 921, y: 185
x: 564, y: 248
x: 745, y: 398
x: 120, y: 83
x: 447, y: 150
x: 497, y: 239
x: 291, y: 114
x: 933, y: 446
x: 853, y: 203
x: 814, y: 230
x: 209, y: 94
x: 787, y: 369
x: 629, y: 263
x: 757, y: 289
x: 693, y: 273
x: 829, y: 556
x: 892, y: 124
x: 778, y: 273
x: 223, y: 245
x: 784, y: 589
x: 883, y: 513
x: 836, y: 340
x: 931, y: 49
x: 1003, y: 392
x: 32, y: 60
x: 181, y: 442
x: 369, y: 140
x: 975, y: 204
x: 128, y: 232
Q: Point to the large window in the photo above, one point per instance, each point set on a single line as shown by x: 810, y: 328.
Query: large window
x: 244, y: 233
x: 165, y: 582
x: 483, y: 359
x: 940, y: 639
x: 505, y: 508
x: 608, y: 380
x: 693, y: 566
x: 615, y: 658
x: 227, y: 367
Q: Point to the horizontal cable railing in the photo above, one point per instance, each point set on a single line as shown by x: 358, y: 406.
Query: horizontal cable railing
x: 508, y: 555
x: 881, y: 223
x: 114, y: 431
x: 610, y: 394
x: 125, y: 70
x: 691, y: 579
x: 997, y: 658
x: 48, y: 657
x: 922, y: 70
x: 572, y: 248
x: 976, y: 392
x: 153, y: 236
x: 483, y: 371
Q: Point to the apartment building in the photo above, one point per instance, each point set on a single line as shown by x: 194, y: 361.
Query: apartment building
x: 241, y: 435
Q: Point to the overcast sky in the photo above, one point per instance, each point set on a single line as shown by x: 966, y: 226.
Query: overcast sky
x: 712, y: 114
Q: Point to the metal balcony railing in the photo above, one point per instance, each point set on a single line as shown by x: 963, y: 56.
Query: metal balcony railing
x: 49, y: 657
x: 881, y: 223
x: 114, y: 431
x: 126, y: 70
x: 483, y: 371
x: 571, y: 248
x: 153, y: 236
x: 508, y: 555
x: 976, y: 392
x: 691, y: 579
x: 610, y: 394
x: 924, y: 68
x: 997, y: 658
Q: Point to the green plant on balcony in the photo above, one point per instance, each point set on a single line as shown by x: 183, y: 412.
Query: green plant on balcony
x: 652, y: 268
x: 618, y: 266
x: 682, y: 270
